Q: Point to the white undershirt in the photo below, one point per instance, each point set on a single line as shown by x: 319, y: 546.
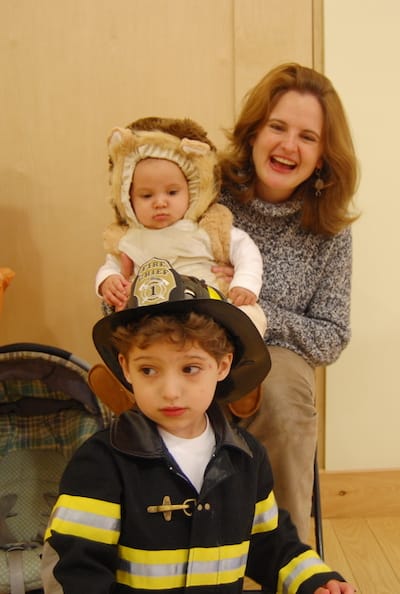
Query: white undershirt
x: 192, y: 455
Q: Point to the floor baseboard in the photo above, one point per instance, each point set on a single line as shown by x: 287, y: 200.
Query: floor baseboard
x: 363, y: 494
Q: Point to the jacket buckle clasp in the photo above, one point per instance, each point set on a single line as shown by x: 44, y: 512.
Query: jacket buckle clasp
x: 167, y: 507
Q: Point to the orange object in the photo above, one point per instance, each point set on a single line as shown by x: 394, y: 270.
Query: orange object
x: 6, y: 276
x: 247, y: 405
x: 109, y: 390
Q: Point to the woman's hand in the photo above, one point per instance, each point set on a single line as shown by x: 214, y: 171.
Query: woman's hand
x: 335, y: 587
x: 224, y: 272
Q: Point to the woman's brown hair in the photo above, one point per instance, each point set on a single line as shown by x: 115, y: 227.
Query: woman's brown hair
x: 328, y: 213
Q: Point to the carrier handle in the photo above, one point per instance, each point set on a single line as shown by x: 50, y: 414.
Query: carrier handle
x: 16, y: 569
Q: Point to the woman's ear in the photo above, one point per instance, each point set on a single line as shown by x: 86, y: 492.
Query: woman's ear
x: 124, y: 366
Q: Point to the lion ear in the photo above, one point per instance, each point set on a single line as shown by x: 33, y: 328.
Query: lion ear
x: 195, y: 147
x: 115, y: 139
x: 121, y: 140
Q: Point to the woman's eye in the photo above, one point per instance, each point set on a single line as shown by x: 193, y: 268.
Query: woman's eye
x: 309, y: 138
x: 147, y: 370
x: 276, y: 125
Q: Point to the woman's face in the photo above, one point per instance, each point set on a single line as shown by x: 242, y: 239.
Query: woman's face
x: 288, y: 148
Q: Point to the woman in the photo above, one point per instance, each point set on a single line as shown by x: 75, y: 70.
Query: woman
x: 289, y: 175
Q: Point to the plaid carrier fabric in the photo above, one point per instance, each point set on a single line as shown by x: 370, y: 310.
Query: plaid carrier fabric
x: 47, y: 411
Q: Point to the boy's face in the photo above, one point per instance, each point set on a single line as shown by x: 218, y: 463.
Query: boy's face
x: 174, y: 387
x: 159, y: 193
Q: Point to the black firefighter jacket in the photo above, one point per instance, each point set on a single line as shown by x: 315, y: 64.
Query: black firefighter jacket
x: 127, y: 521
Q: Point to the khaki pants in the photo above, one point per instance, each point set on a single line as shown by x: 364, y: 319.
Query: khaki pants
x: 286, y: 423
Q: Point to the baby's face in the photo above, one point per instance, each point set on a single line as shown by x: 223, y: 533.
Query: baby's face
x: 159, y: 193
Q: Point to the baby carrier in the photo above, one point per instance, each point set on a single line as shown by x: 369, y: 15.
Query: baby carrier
x: 47, y: 410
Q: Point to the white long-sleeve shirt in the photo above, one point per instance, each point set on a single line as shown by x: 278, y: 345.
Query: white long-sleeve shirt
x: 188, y: 249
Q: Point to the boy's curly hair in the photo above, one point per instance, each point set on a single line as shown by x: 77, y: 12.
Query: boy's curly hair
x: 179, y: 330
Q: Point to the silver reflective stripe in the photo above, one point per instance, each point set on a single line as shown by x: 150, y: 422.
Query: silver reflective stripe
x: 143, y: 570
x: 217, y: 566
x: 205, y: 567
x: 87, y: 518
x: 166, y: 569
x: 304, y: 565
x: 265, y: 517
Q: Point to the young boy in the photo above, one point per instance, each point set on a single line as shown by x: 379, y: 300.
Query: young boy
x: 165, y: 182
x: 172, y: 498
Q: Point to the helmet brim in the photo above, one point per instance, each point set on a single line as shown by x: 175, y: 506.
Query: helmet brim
x: 251, y: 361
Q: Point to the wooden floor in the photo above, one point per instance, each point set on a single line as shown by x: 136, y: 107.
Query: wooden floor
x: 366, y: 551
x: 361, y: 532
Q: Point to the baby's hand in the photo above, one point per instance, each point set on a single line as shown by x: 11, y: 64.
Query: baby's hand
x: 240, y: 296
x: 115, y: 290
x: 335, y: 587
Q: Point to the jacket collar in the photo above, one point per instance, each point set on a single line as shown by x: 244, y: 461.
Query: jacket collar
x: 133, y: 433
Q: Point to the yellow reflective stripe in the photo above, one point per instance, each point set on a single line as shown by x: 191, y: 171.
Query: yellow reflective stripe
x: 158, y: 570
x: 87, y: 518
x: 152, y: 570
x: 217, y: 565
x: 298, y: 570
x: 266, y: 515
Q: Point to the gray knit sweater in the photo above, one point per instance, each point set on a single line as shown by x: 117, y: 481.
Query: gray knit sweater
x: 307, y: 279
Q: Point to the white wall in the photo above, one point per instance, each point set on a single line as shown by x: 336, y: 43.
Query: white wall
x: 362, y: 51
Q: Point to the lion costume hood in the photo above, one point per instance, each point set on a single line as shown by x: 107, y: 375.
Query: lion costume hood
x: 187, y: 145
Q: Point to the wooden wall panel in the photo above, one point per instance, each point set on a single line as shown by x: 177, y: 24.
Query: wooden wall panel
x: 70, y: 72
x: 267, y: 34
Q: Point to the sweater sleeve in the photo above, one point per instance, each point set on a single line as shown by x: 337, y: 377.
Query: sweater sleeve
x: 80, y: 552
x: 322, y: 331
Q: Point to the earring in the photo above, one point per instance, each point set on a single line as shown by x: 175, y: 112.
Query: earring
x: 319, y: 183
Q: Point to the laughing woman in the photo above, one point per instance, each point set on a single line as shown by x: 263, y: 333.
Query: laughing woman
x: 289, y: 176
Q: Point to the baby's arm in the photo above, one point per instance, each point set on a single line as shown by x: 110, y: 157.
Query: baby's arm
x: 241, y: 296
x: 248, y: 269
x: 335, y: 587
x: 237, y: 295
x: 115, y: 291
x: 113, y: 281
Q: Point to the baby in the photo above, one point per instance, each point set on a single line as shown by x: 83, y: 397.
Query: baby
x: 165, y: 183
